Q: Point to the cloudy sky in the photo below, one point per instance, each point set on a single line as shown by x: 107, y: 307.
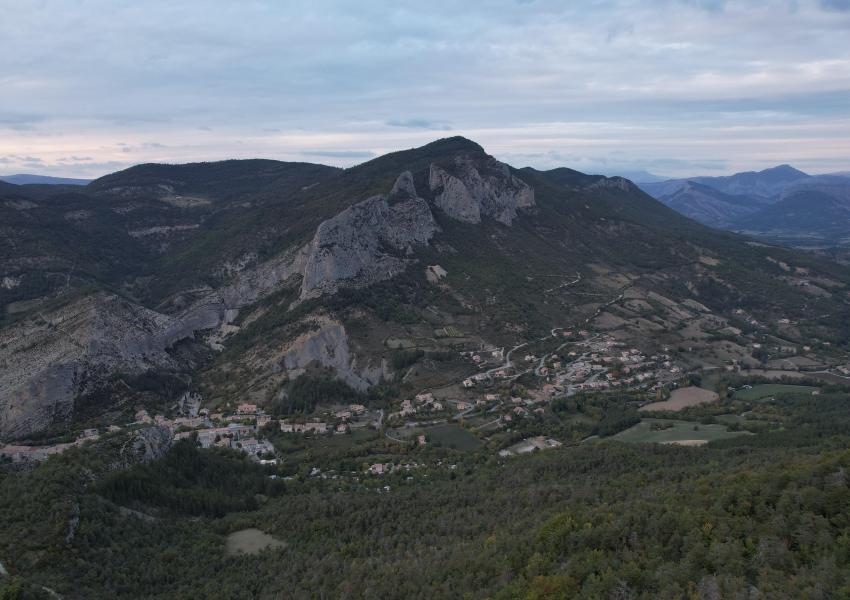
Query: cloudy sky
x: 676, y: 87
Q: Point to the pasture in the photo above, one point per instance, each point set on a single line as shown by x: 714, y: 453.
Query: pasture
x: 766, y: 390
x: 668, y: 431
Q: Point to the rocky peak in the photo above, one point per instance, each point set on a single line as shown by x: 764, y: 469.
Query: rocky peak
x: 404, y: 186
x: 472, y: 188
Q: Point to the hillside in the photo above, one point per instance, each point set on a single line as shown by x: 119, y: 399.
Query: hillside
x: 26, y: 179
x: 234, y: 279
x: 804, y: 218
x: 708, y: 205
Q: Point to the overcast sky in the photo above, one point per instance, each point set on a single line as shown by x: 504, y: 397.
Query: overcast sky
x: 673, y: 86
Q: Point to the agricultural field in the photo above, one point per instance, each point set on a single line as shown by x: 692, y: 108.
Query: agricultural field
x: 759, y: 392
x: 447, y: 435
x: 668, y: 431
x: 683, y: 398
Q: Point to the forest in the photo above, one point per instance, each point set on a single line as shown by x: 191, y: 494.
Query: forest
x: 764, y: 515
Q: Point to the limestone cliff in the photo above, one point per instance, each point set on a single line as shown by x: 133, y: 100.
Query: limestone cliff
x: 366, y: 242
x: 46, y: 361
x: 471, y: 189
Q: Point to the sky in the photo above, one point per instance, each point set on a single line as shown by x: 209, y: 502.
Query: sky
x: 675, y: 87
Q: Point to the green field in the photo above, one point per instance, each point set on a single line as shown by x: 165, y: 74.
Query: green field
x: 643, y: 433
x: 448, y: 435
x: 772, y: 389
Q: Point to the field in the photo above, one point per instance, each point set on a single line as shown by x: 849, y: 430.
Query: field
x: 680, y: 432
x: 682, y: 398
x: 448, y: 435
x: 772, y: 389
x: 251, y: 541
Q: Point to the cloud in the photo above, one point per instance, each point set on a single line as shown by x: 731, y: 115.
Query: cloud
x: 419, y: 124
x: 704, y: 80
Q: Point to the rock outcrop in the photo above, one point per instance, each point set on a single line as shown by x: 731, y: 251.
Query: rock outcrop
x: 46, y: 361
x: 366, y: 242
x: 471, y: 189
x: 327, y: 345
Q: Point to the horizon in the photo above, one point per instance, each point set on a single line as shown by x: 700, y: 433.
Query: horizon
x: 613, y: 172
x: 673, y: 87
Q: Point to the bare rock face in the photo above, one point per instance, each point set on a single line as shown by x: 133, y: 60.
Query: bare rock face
x: 47, y: 361
x: 404, y: 186
x: 327, y: 345
x: 472, y: 189
x: 362, y: 244
x: 150, y: 443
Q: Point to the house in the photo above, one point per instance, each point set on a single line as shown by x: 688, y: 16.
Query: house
x: 379, y: 469
x: 312, y: 426
x: 420, y: 440
x: 342, y: 428
x: 468, y: 383
x: 437, y: 406
x: 263, y: 420
x: 425, y: 398
x: 251, y: 446
x: 463, y: 405
x: 357, y: 409
x: 90, y: 433
x: 491, y: 397
x: 246, y: 409
x: 343, y: 414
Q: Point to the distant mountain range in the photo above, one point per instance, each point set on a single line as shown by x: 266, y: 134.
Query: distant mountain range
x: 782, y: 204
x: 27, y: 178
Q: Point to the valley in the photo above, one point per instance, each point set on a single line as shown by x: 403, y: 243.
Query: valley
x: 304, y: 378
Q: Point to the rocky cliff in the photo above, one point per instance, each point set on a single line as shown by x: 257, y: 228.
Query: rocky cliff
x: 470, y: 189
x: 366, y: 242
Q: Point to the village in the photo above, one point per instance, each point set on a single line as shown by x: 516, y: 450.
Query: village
x: 502, y: 388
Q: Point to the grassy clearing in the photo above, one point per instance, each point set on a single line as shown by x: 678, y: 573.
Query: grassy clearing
x: 251, y: 541
x: 649, y: 431
x: 758, y: 392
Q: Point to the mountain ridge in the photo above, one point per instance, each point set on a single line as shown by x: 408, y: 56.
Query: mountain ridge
x: 301, y: 266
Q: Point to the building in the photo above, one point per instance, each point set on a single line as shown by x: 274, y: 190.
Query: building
x: 309, y: 427
x: 246, y: 409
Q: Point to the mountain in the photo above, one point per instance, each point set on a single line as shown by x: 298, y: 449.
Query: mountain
x: 637, y: 176
x: 23, y: 178
x: 760, y: 184
x: 231, y: 280
x: 808, y: 217
x: 708, y: 205
x: 781, y: 204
